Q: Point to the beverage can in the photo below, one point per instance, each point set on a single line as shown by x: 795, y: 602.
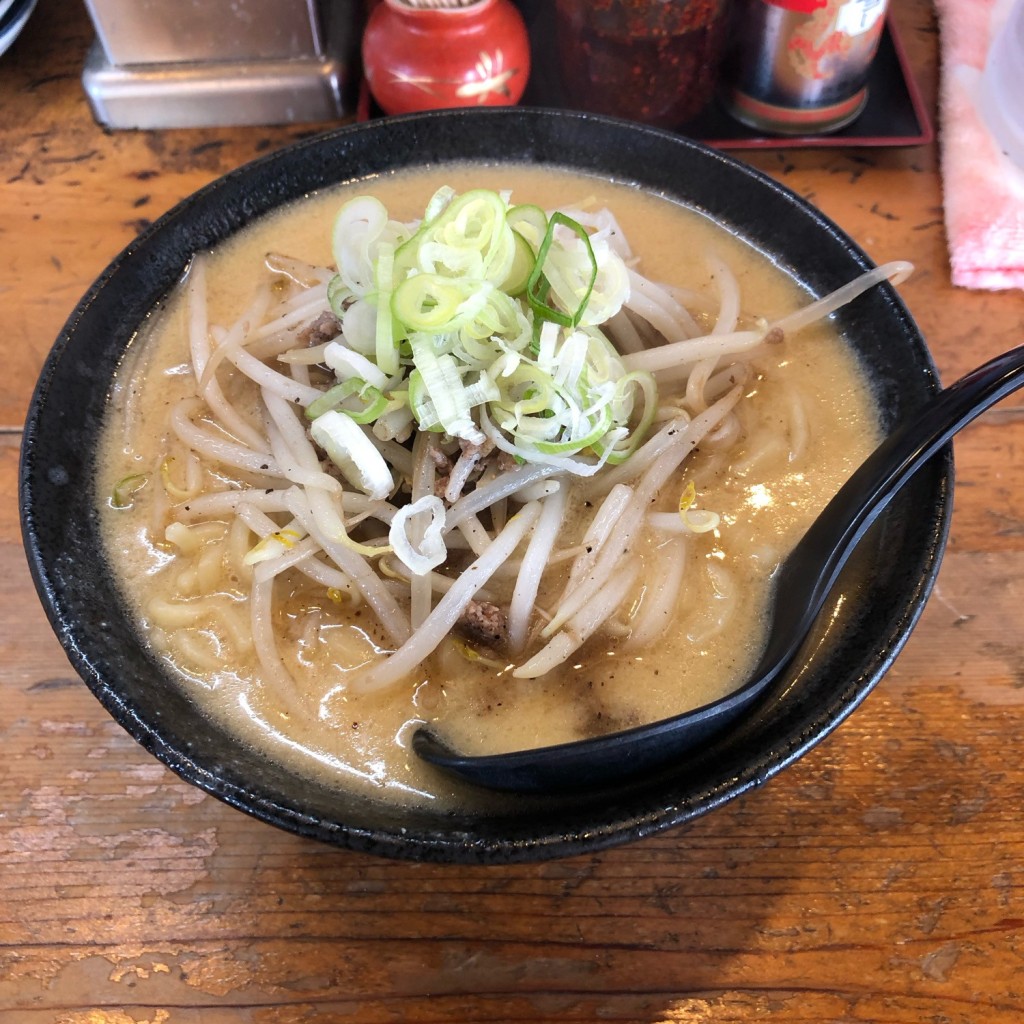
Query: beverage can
x: 801, y: 66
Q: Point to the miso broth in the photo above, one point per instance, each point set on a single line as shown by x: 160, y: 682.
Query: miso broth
x: 803, y: 421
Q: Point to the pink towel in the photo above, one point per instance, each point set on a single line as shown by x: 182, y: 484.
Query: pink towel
x: 983, y: 188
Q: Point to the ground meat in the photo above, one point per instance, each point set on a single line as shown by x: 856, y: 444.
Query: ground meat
x: 484, y: 622
x: 466, y: 467
x: 476, y: 451
x: 442, y: 463
x: 442, y: 470
x: 326, y: 327
x: 473, y: 460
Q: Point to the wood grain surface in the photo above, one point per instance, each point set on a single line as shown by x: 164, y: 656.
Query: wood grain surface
x: 877, y: 880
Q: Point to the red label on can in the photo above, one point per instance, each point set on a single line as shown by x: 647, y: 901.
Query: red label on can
x: 800, y: 6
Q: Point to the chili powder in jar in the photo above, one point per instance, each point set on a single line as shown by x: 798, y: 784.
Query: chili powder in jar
x: 654, y: 61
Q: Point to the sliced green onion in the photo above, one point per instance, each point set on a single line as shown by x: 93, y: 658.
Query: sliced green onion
x: 476, y: 222
x: 353, y: 453
x: 443, y: 385
x: 338, y: 293
x: 347, y: 364
x: 357, y: 228
x: 430, y: 303
x: 644, y: 381
x: 387, y: 352
x: 577, y: 444
x: 522, y: 267
x: 530, y: 223
x: 431, y: 551
x: 537, y: 288
x: 486, y: 316
x: 374, y: 402
x: 421, y: 405
x: 439, y: 202
x: 123, y: 494
x: 359, y: 327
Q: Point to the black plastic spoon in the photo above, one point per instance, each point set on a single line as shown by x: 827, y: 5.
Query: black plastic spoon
x: 805, y: 578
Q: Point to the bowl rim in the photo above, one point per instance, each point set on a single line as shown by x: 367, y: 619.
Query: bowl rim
x: 263, y: 184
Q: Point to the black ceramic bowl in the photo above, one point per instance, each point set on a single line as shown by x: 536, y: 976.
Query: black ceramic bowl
x: 61, y: 533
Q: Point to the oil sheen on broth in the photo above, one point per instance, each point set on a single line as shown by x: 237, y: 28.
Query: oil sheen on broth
x: 807, y: 396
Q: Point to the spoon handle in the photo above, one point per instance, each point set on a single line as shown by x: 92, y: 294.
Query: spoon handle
x: 800, y: 591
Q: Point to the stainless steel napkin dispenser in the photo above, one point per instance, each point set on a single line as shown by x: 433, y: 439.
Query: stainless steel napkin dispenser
x: 201, y: 63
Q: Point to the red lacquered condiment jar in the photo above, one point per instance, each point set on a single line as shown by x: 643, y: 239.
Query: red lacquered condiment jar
x: 429, y: 54
x: 647, y: 60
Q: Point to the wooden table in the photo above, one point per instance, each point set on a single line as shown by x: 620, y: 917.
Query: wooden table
x: 879, y: 879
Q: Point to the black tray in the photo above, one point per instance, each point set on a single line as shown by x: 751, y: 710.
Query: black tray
x: 895, y: 114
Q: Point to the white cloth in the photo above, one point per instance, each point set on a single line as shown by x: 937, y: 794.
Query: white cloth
x: 983, y: 189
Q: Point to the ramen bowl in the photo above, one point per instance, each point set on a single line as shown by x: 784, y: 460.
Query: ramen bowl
x: 872, y: 611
